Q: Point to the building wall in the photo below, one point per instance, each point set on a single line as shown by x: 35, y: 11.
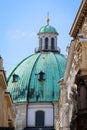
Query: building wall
x: 26, y: 114
x: 7, y: 113
x: 1, y: 107
x: 21, y: 116
x: 46, y: 108
x: 75, y: 77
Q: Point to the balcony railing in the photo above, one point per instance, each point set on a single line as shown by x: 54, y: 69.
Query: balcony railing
x: 46, y: 50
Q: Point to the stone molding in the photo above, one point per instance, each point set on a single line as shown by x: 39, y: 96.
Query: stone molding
x: 81, y: 14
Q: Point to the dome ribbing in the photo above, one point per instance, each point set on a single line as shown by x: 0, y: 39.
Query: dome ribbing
x: 47, y: 29
x: 37, y: 78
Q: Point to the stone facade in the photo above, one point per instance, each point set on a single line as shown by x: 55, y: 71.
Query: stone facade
x: 7, y: 113
x: 21, y: 116
x: 26, y: 115
x: 73, y: 98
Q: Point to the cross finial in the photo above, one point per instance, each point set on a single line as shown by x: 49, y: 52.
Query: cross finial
x: 48, y: 18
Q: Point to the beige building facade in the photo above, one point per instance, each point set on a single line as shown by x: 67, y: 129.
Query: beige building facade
x: 7, y: 112
x: 73, y: 96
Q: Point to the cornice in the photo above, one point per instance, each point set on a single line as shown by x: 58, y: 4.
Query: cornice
x: 79, y: 19
x: 8, y: 98
x: 69, y: 60
x: 3, y: 79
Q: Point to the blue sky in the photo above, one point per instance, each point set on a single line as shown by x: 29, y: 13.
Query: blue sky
x: 20, y: 21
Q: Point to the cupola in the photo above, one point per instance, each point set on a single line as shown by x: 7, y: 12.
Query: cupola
x: 47, y: 38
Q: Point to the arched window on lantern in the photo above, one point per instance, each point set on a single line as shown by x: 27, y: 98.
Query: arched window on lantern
x: 46, y: 43
x: 40, y: 43
x: 52, y: 43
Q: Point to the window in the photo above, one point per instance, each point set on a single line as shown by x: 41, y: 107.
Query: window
x: 46, y: 43
x: 52, y: 43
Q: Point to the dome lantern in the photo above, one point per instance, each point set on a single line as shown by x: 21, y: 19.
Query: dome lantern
x: 47, y: 38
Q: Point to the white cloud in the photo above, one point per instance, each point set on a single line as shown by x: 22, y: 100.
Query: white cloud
x: 19, y: 34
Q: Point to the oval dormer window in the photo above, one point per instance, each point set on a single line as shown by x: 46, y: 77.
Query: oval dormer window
x: 41, y: 76
x: 15, y: 78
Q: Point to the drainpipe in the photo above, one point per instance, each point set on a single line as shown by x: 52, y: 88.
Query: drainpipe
x: 53, y: 113
x: 27, y: 104
x: 27, y: 115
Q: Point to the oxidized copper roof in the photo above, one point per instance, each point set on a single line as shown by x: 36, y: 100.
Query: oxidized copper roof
x: 36, y: 78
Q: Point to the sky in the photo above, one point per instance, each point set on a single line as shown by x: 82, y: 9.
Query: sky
x: 20, y: 21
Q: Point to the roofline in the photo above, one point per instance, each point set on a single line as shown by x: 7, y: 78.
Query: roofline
x: 54, y: 32
x: 47, y: 32
x: 3, y: 75
x: 8, y: 93
x: 17, y: 66
x: 79, y: 19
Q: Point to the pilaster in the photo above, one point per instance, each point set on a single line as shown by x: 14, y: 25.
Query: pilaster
x: 1, y: 106
x: 83, y: 65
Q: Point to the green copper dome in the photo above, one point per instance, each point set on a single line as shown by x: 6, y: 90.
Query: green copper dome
x: 47, y: 29
x: 35, y: 79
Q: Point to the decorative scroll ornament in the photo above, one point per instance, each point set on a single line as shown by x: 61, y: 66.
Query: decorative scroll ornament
x: 84, y: 30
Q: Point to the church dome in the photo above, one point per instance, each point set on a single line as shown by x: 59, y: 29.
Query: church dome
x: 47, y: 29
x: 35, y: 79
